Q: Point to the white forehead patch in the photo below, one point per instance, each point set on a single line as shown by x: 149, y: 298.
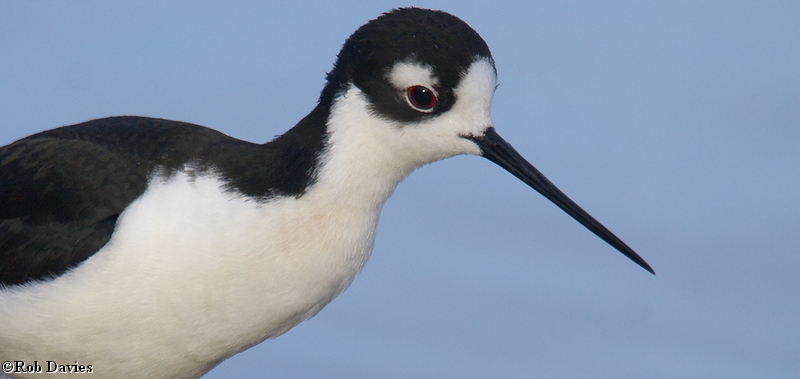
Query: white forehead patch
x: 407, y: 74
x: 477, y: 85
x: 470, y: 115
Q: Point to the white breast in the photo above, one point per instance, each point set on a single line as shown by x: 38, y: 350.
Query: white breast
x: 194, y: 273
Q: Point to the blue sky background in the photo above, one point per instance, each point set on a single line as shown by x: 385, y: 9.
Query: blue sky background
x: 676, y: 125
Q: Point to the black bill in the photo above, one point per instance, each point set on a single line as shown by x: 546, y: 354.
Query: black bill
x: 497, y: 150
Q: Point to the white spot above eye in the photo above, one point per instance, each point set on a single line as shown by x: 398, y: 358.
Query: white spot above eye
x: 408, y: 73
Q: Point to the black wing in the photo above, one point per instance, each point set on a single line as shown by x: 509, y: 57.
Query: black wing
x: 62, y: 190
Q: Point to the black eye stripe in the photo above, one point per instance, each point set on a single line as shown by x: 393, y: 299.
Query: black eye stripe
x: 421, y: 98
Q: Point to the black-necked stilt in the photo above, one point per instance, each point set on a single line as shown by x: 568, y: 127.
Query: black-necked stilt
x: 153, y: 248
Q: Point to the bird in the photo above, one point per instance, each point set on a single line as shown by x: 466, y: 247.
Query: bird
x: 149, y: 248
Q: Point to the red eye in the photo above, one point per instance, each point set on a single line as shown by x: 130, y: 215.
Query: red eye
x: 421, y: 98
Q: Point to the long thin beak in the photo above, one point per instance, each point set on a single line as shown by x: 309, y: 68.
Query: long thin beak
x: 497, y: 150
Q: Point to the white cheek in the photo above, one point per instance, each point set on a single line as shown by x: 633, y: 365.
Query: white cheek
x: 469, y: 116
x: 394, y: 149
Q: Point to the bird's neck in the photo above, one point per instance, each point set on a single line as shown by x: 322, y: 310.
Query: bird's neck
x: 359, y: 166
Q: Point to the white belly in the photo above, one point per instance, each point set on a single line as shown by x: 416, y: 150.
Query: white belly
x: 191, y: 276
